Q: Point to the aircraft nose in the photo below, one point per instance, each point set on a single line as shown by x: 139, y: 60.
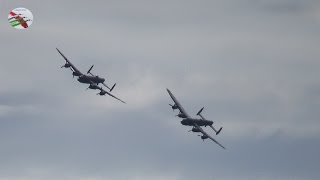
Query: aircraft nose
x: 102, y: 79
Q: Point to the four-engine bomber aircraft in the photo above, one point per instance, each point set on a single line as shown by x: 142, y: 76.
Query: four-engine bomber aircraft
x: 196, y: 123
x: 94, y: 81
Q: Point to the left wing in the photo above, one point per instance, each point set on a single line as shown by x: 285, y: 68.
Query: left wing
x: 206, y: 134
x: 178, y: 104
x: 103, y: 92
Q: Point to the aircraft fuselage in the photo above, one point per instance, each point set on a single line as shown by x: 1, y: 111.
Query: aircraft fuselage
x: 88, y: 79
x: 200, y: 122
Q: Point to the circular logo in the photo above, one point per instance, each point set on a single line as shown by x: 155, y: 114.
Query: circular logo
x: 20, y: 18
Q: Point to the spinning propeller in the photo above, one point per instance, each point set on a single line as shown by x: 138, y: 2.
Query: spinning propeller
x: 173, y: 107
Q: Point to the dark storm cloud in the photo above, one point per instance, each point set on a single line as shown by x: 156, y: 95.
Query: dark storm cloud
x: 252, y: 64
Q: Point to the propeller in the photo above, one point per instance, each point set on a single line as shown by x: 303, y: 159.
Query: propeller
x: 173, y: 107
x: 201, y: 138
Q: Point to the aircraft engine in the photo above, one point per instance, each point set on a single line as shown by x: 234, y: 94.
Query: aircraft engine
x: 67, y: 65
x: 173, y: 106
x: 195, y: 129
x: 102, y: 93
x: 93, y: 86
x: 180, y: 115
x: 76, y: 74
x: 203, y: 137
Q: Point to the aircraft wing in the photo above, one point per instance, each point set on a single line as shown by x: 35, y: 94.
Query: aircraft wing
x: 178, y: 104
x: 203, y: 132
x: 106, y: 92
x: 72, y: 66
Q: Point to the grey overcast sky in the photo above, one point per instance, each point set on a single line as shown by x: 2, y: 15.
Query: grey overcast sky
x: 253, y: 64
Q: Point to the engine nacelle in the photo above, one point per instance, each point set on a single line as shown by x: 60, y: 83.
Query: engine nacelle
x: 203, y: 137
x: 94, y: 86
x: 101, y: 93
x: 76, y: 74
x: 195, y: 129
x: 67, y: 65
x: 174, y: 106
x: 181, y: 115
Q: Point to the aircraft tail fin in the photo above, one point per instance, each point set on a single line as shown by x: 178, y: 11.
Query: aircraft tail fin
x: 218, y: 131
x: 113, y: 87
x: 200, y: 111
x: 89, y: 71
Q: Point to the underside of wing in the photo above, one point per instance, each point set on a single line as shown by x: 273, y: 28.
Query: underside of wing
x: 178, y: 104
x: 206, y: 134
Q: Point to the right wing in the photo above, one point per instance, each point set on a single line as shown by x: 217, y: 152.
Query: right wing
x: 178, y: 104
x: 206, y: 134
x: 72, y: 66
